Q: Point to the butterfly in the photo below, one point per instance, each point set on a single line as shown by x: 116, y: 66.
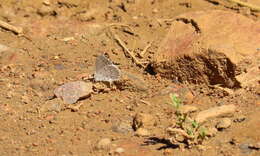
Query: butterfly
x: 106, y: 70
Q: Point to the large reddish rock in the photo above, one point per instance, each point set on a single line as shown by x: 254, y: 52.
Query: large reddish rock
x: 207, y: 47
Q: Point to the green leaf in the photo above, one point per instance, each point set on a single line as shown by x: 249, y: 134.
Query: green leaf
x: 189, y: 132
x: 202, y: 133
x: 194, y: 124
x: 176, y: 102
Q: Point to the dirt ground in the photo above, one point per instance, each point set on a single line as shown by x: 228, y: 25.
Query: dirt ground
x: 60, y: 43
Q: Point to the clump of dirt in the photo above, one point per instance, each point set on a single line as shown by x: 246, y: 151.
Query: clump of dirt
x: 211, y: 68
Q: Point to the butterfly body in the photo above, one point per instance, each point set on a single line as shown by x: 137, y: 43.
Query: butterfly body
x: 106, y: 70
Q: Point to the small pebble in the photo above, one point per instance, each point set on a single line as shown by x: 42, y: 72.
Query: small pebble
x: 155, y: 11
x: 168, y: 151
x: 245, y: 148
x: 201, y: 147
x: 142, y: 120
x: 66, y: 39
x: 46, y: 2
x: 3, y: 48
x: 45, y: 11
x: 142, y: 132
x: 240, y: 118
x: 123, y: 128
x: 104, y: 143
x: 119, y: 150
x: 223, y: 124
x: 180, y: 138
x: 59, y: 66
x: 54, y: 105
x: 234, y: 141
x: 135, y: 17
x: 210, y: 132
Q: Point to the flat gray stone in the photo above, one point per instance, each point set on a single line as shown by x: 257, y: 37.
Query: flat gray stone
x: 71, y: 92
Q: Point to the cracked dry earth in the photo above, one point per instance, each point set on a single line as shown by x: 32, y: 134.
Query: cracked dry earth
x: 60, y: 42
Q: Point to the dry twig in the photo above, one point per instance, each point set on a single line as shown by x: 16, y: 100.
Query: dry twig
x: 122, y: 44
x: 74, y: 108
x: 120, y: 24
x: 145, y: 102
x: 145, y: 49
x: 251, y: 6
x: 178, y: 132
x: 14, y: 29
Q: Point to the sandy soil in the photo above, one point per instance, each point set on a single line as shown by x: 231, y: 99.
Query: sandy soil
x: 61, y: 41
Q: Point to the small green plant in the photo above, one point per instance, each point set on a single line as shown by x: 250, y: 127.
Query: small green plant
x: 195, y: 124
x: 193, y: 129
x: 176, y: 102
x: 202, y: 133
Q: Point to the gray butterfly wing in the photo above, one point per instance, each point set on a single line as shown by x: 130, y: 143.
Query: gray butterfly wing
x: 101, y: 62
x: 108, y: 73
